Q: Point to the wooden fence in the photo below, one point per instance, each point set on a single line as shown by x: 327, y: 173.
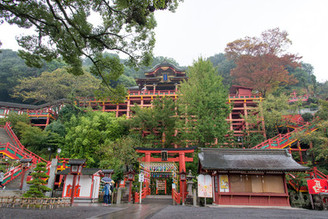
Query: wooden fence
x: 21, y: 202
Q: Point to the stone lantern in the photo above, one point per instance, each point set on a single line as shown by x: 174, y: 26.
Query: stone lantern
x: 189, y: 183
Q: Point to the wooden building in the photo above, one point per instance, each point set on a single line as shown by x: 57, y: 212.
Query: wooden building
x: 248, y: 176
x: 87, y: 184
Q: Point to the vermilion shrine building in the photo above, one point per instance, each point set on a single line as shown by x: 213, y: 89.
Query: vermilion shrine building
x: 248, y: 176
x: 164, y: 80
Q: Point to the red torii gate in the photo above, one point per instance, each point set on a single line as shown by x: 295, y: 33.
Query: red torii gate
x: 170, y: 155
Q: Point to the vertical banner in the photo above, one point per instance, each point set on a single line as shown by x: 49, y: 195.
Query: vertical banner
x: 205, y: 186
x: 224, y: 183
x: 317, y: 186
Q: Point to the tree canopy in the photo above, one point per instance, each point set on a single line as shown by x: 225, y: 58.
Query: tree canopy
x: 68, y: 29
x: 59, y: 84
x: 262, y: 62
x: 203, y: 104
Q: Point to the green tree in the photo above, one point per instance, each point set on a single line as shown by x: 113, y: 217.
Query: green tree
x: 87, y: 133
x: 224, y: 67
x: 273, y: 108
x: 56, y: 85
x: 159, y: 122
x: 124, y: 147
x: 37, y: 187
x: 15, y: 118
x: 13, y: 68
x: 203, y: 104
x: 65, y: 28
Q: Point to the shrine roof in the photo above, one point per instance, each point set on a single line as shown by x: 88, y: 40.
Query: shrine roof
x: 165, y: 64
x: 85, y: 171
x: 248, y: 160
x: 30, y: 106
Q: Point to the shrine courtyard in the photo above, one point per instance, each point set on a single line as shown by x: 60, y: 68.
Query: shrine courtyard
x: 159, y: 211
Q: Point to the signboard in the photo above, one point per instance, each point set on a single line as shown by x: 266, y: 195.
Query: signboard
x: 205, y: 186
x: 317, y: 185
x: 141, y: 177
x: 160, y: 184
x: 224, y: 183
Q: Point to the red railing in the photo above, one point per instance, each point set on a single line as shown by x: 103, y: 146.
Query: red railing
x: 315, y: 173
x: 281, y: 141
x: 21, y: 153
x: 144, y: 193
x: 176, y: 196
x: 12, y: 135
x: 12, y: 174
x: 151, y: 92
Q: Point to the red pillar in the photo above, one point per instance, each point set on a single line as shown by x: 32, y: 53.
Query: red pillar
x: 182, y: 168
x: 147, y: 159
x: 73, y: 189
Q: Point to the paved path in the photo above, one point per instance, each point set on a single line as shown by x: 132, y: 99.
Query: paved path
x: 157, y: 211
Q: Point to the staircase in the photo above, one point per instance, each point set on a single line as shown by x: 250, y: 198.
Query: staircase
x: 285, y: 140
x: 158, y: 199
x: 12, y: 148
x: 4, y: 138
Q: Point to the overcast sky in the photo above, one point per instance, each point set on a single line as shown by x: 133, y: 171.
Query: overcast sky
x: 204, y: 27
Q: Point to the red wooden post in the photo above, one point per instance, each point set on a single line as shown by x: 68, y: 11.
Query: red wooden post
x: 73, y: 189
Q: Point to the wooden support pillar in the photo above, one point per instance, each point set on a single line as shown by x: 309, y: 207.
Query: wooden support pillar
x: 182, y: 168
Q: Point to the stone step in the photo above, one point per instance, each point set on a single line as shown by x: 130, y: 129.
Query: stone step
x: 4, y: 138
x: 158, y: 199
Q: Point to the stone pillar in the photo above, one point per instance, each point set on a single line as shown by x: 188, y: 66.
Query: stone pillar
x: 52, y: 176
x: 119, y: 195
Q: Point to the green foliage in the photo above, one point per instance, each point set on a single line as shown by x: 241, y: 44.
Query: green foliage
x: 124, y: 147
x: 32, y: 137
x: 203, y: 103
x: 160, y: 121
x: 55, y: 85
x: 307, y: 117
x: 323, y: 110
x: 64, y: 28
x: 273, y: 109
x: 13, y: 68
x: 37, y: 187
x: 15, y: 119
x: 224, y: 66
x: 88, y: 133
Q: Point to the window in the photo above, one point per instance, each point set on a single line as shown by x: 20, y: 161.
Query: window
x: 257, y: 183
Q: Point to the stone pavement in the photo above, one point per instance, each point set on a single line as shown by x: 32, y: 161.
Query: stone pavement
x: 157, y: 211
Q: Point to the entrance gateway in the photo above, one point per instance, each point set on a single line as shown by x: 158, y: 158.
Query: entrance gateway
x: 160, y: 165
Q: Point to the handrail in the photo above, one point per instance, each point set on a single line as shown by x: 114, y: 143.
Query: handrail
x: 318, y: 174
x: 279, y: 141
x: 144, y: 193
x: 176, y: 196
x: 12, y: 135
x: 23, y: 152
x: 12, y: 174
x: 19, y: 144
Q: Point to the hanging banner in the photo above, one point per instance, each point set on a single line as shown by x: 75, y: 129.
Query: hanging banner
x: 224, y: 183
x: 317, y: 185
x: 204, y: 186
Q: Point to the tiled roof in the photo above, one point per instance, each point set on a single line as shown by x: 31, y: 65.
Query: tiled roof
x: 248, y: 160
x: 85, y: 171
